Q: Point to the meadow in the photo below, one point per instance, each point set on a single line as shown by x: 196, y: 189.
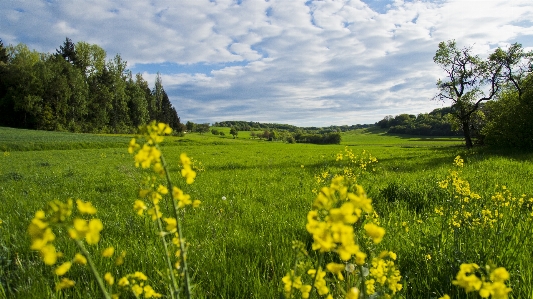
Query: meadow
x: 255, y: 197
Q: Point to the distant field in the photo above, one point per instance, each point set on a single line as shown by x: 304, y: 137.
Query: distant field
x: 241, y: 247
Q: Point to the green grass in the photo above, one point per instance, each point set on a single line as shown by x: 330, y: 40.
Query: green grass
x: 241, y: 247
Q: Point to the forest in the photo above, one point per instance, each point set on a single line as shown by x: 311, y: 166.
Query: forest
x: 77, y: 89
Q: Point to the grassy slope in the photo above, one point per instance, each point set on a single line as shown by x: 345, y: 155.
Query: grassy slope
x: 240, y: 248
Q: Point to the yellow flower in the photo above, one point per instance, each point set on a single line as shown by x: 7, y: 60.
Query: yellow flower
x: 93, y: 233
x: 171, y: 224
x: 162, y: 189
x: 187, y: 171
x: 336, y: 269
x: 375, y: 232
x: 353, y: 293
x: 80, y: 259
x: 499, y: 274
x: 132, y: 146
x: 445, y: 297
x: 108, y: 252
x: 150, y: 293
x: 467, y: 279
x: 139, y: 207
x: 64, y: 284
x: 182, y: 198
x: 85, y: 207
x: 120, y: 259
x: 137, y: 289
x: 155, y: 212
x: 49, y: 254
x: 123, y: 281
x: 109, y: 278
x: 458, y: 161
x: 140, y: 275
x: 61, y: 270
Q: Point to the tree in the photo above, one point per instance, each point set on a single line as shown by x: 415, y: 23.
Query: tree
x: 467, y: 76
x: 517, y: 65
x: 137, y: 105
x: 190, y: 126
x: 510, y: 117
x: 202, y: 128
x: 3, y: 53
x: 68, y: 51
x: 90, y: 59
x: 233, y: 131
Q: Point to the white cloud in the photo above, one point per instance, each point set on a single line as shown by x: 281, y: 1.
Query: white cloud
x: 305, y: 63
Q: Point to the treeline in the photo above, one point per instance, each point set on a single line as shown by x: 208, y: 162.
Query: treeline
x: 506, y: 121
x: 284, y: 133
x: 77, y: 89
x: 439, y: 122
x: 257, y: 126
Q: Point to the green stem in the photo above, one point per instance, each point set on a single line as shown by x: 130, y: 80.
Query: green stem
x: 363, y: 285
x: 318, y: 266
x: 169, y: 262
x: 185, y: 269
x: 93, y: 268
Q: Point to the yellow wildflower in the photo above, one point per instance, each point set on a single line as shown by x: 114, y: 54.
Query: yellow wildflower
x: 108, y: 252
x: 120, y: 259
x: 171, y: 224
x: 85, y: 207
x: 139, y: 206
x: 49, y: 254
x: 79, y: 259
x: 140, y: 275
x: 375, y: 232
x: 150, y: 293
x: 336, y: 269
x: 353, y: 293
x: 109, y: 278
x: 467, y: 279
x: 137, y: 290
x: 64, y: 284
x: 123, y: 281
x: 187, y: 171
x: 93, y: 233
x: 61, y: 270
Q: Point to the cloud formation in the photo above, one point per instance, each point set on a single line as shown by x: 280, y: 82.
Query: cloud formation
x: 306, y: 63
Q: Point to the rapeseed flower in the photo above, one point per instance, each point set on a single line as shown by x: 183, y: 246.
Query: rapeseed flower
x: 353, y: 293
x: 139, y: 206
x: 108, y: 252
x: 187, y: 171
x: 63, y: 269
x: 109, y: 278
x: 64, y: 284
x: 79, y: 259
x: 375, y: 232
x: 85, y: 207
x: 319, y: 281
x: 336, y: 269
x: 171, y: 224
x: 467, y: 279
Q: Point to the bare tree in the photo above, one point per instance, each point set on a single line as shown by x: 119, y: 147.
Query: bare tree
x: 469, y: 82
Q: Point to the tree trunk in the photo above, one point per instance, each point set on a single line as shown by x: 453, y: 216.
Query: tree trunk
x: 466, y: 131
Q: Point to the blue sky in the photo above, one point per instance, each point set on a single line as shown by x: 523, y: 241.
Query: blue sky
x: 305, y: 63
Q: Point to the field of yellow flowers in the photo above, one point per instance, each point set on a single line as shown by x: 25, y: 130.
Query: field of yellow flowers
x: 94, y: 216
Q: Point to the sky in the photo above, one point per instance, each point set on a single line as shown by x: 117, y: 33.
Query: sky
x: 304, y: 63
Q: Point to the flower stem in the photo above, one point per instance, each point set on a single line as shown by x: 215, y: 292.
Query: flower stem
x: 175, y: 289
x: 183, y: 249
x: 93, y: 268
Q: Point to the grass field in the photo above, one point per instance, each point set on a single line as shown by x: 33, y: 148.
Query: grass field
x: 240, y: 247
